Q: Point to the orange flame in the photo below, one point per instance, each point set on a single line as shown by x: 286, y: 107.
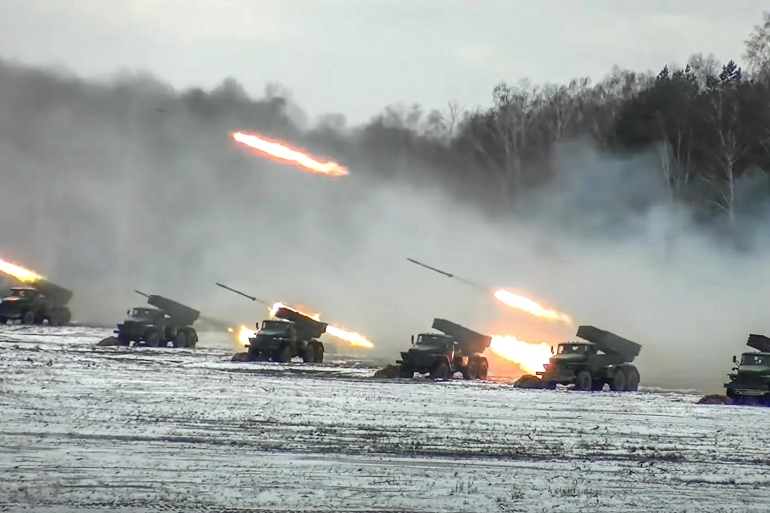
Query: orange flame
x: 530, y: 357
x: 351, y: 337
x: 18, y: 272
x: 282, y: 152
x: 529, y: 306
x: 244, y: 334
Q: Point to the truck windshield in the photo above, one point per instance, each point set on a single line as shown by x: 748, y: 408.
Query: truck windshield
x: 22, y: 293
x: 142, y: 312
x: 433, y: 340
x: 572, y: 348
x: 275, y: 327
x: 755, y: 359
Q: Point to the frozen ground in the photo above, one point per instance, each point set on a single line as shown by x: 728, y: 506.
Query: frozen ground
x: 86, y: 428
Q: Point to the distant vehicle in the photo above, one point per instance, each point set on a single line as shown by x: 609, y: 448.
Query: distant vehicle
x: 37, y: 303
x: 441, y: 355
x: 605, y: 359
x: 750, y: 380
x: 168, y: 322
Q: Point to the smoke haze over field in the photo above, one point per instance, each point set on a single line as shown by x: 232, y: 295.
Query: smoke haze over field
x: 112, y: 187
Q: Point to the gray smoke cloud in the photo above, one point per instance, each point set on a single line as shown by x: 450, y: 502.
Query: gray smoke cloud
x: 108, y: 187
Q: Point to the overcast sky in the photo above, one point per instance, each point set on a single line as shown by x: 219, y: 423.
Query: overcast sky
x: 356, y: 56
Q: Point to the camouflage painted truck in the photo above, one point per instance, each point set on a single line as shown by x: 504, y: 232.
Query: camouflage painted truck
x: 750, y: 379
x: 37, y: 303
x: 604, y: 358
x: 168, y: 322
x: 288, y: 334
x: 441, y: 355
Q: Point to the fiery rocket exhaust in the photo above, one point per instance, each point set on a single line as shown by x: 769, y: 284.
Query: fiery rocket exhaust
x: 507, y: 298
x: 351, y: 337
x: 530, y: 357
x: 282, y: 152
x: 20, y: 273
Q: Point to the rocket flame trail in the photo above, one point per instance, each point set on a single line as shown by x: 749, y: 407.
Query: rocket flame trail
x: 282, y: 152
x: 529, y: 306
x: 506, y: 297
x: 530, y: 357
x: 18, y: 272
x: 353, y: 338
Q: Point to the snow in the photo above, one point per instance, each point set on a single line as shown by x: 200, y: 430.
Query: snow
x: 140, y: 429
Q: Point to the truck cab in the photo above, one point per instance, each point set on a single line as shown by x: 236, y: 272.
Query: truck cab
x: 271, y: 336
x: 23, y: 303
x: 750, y: 379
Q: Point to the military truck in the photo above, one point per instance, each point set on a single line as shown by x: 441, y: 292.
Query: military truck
x: 604, y: 359
x: 441, y: 355
x: 750, y: 380
x: 290, y: 333
x: 168, y: 322
x: 36, y: 303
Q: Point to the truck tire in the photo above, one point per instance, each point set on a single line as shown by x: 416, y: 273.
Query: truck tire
x: 192, y: 338
x: 123, y: 340
x: 3, y: 320
x: 319, y: 352
x: 152, y: 338
x: 472, y: 370
x: 618, y: 381
x: 180, y: 340
x: 597, y: 385
x: 584, y: 381
x: 405, y: 372
x: 440, y: 370
x: 28, y: 317
x: 66, y: 317
x: 632, y: 380
x: 285, y: 355
x: 483, y: 369
x: 308, y: 355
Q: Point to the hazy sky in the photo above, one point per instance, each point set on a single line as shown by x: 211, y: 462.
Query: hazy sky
x: 356, y: 56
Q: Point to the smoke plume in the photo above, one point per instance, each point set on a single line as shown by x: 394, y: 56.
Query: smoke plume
x: 115, y: 186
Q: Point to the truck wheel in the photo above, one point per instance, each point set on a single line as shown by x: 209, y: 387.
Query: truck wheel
x: 597, y: 385
x: 192, y: 338
x: 308, y: 355
x: 28, y: 317
x: 181, y: 339
x: 3, y: 320
x: 319, y: 352
x: 54, y: 320
x: 285, y: 355
x: 65, y: 318
x: 472, y: 370
x: 483, y: 369
x: 152, y: 339
x: 440, y: 371
x: 618, y: 382
x: 584, y: 381
x: 405, y: 372
x: 123, y: 340
x: 632, y: 381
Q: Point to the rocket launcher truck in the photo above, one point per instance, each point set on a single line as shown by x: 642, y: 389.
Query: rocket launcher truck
x: 35, y: 303
x: 749, y: 381
x: 455, y: 349
x: 287, y: 334
x: 168, y: 321
x: 603, y: 358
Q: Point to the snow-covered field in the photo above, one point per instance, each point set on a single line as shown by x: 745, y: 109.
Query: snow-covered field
x: 86, y: 428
